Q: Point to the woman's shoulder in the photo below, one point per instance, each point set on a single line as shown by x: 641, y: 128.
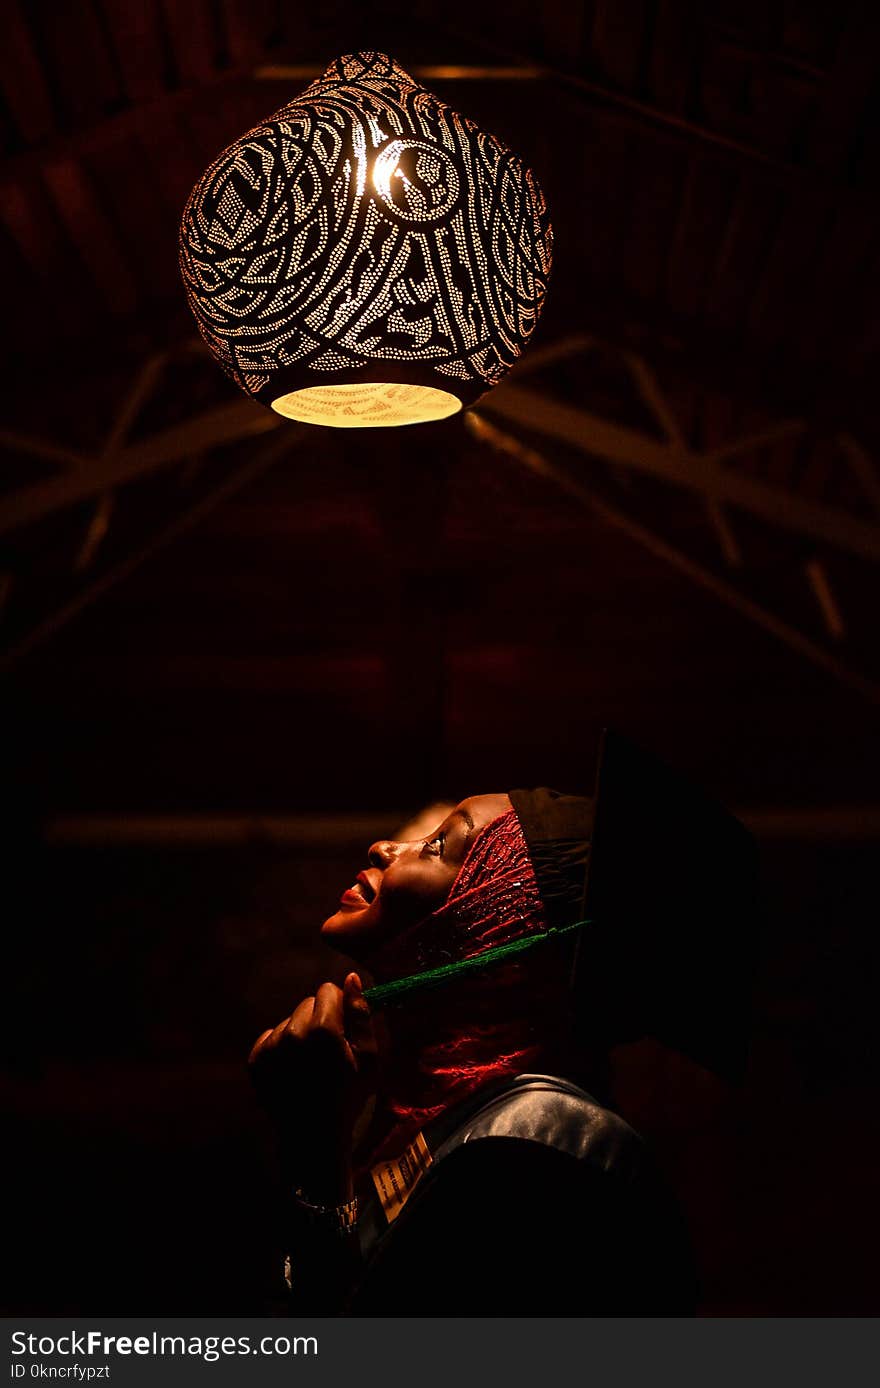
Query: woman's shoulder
x: 533, y: 1174
x: 553, y: 1113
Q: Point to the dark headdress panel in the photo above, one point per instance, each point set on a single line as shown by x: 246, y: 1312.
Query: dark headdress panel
x: 558, y: 829
x: 667, y: 879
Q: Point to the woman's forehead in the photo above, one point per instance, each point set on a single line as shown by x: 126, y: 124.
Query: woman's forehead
x: 481, y: 808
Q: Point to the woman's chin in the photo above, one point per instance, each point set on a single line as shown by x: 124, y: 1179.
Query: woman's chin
x: 348, y: 931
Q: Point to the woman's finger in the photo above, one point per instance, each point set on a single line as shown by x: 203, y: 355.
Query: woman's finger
x: 327, y: 1015
x: 256, y: 1048
x: 298, y: 1023
x: 356, y: 1014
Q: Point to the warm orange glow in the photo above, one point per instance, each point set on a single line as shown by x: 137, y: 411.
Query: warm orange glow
x: 371, y: 403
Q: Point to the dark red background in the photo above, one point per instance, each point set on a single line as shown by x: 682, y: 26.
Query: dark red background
x: 376, y: 619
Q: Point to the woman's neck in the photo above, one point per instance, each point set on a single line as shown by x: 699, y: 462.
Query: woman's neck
x: 460, y: 1039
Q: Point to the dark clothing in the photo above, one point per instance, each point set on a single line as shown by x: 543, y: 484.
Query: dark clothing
x: 538, y: 1202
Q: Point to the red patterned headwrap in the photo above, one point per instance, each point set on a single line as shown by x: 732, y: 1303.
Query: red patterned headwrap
x: 487, y: 1026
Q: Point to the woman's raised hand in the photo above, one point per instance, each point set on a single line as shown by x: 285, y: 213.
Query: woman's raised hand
x: 313, y: 1073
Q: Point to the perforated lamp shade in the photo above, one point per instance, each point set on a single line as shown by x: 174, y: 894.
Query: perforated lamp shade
x: 366, y: 256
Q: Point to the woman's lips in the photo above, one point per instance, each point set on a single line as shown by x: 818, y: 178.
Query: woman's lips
x: 360, y: 894
x: 367, y: 887
x: 353, y: 897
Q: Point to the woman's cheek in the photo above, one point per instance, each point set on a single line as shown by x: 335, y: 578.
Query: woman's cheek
x: 410, y: 891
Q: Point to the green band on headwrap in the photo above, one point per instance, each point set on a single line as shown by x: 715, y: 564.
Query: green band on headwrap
x: 399, y: 988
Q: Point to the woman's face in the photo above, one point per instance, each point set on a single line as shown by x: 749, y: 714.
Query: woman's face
x: 407, y: 881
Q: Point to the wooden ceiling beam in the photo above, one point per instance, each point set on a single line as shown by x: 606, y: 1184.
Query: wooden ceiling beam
x: 238, y: 420
x: 28, y: 214
x: 262, y: 461
x: 22, y: 79
x: 661, y: 549
x: 847, y: 92
x: 628, y: 448
x: 78, y: 60
x: 317, y: 829
x: 137, y: 45
x: 92, y: 234
x: 42, y: 448
x: 193, y: 38
x: 311, y: 830
x: 195, y: 44
x: 648, y: 115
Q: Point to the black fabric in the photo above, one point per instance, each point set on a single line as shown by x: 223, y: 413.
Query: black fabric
x: 672, y: 896
x: 557, y: 830
x: 668, y: 881
x: 540, y: 1202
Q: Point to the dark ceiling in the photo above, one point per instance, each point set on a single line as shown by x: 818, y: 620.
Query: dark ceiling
x: 670, y: 519
x: 220, y: 628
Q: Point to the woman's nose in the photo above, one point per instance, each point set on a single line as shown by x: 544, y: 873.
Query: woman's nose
x: 383, y: 853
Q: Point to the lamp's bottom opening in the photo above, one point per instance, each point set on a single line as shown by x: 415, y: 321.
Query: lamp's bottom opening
x: 370, y: 404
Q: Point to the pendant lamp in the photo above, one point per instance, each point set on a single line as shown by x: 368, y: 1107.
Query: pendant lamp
x: 366, y: 256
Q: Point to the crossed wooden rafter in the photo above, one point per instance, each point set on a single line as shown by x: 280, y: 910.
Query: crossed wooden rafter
x: 708, y: 474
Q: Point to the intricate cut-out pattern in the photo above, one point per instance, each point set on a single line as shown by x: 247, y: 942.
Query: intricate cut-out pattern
x: 367, y: 403
x: 366, y: 232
